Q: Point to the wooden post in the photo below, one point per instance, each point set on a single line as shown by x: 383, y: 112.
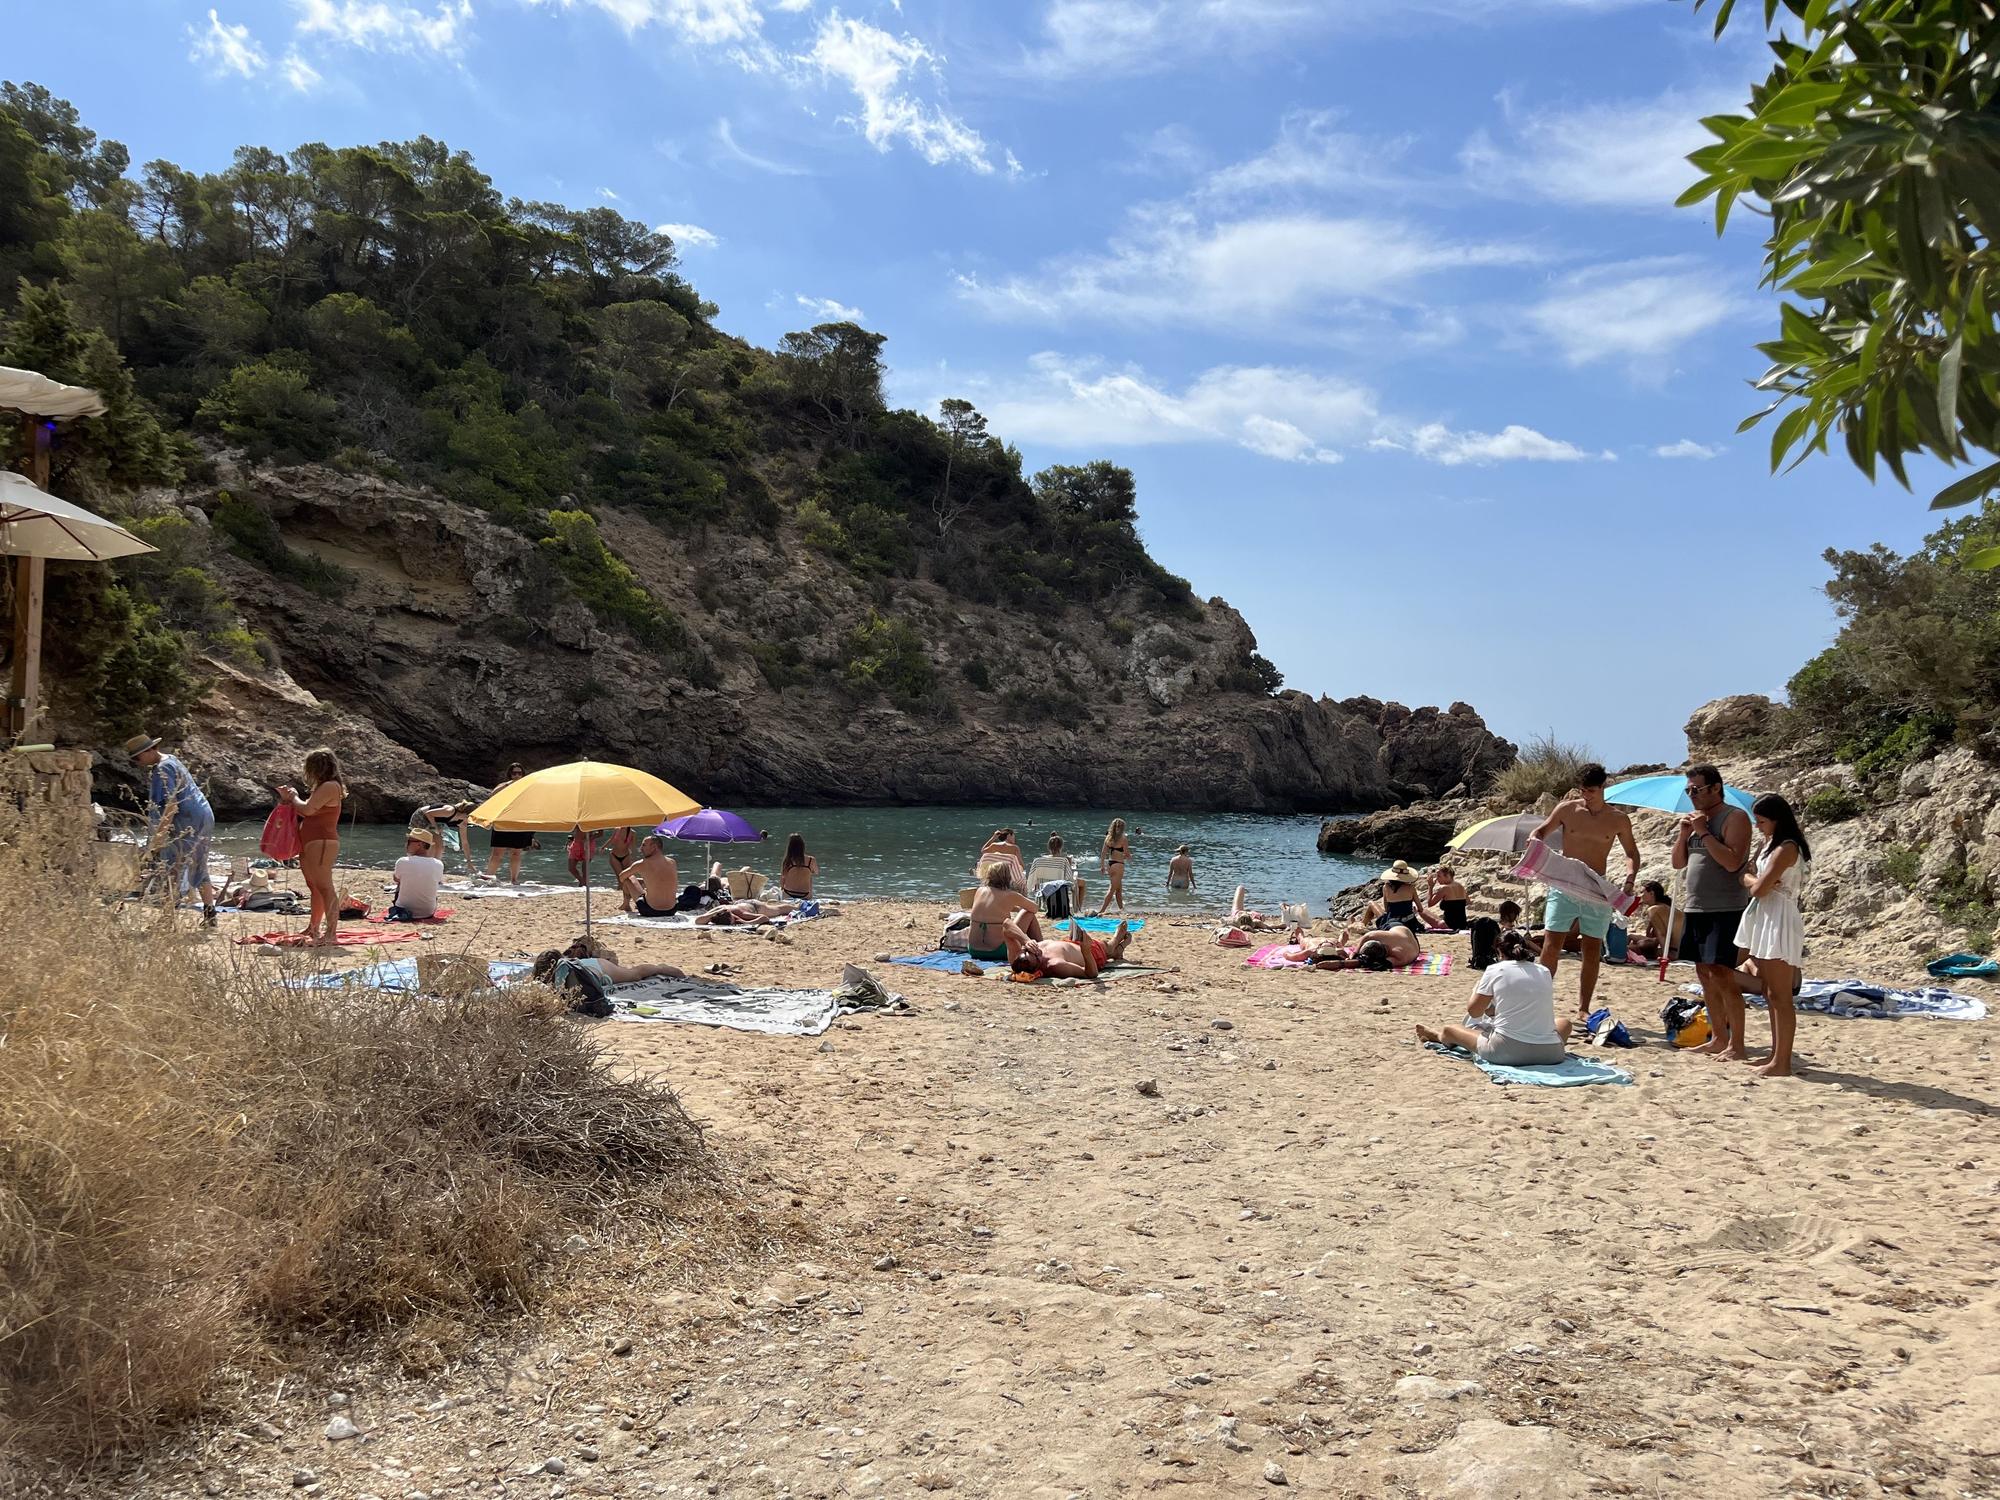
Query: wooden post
x: 25, y: 679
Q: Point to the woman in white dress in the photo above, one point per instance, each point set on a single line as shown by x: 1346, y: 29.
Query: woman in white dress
x: 1772, y: 931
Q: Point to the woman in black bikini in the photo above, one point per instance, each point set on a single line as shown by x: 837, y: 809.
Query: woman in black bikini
x: 1113, y: 855
x: 514, y: 843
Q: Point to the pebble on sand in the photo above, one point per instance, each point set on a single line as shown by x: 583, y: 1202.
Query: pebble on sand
x: 1274, y: 1472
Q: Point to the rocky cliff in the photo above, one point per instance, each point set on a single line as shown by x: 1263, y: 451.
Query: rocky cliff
x: 436, y: 658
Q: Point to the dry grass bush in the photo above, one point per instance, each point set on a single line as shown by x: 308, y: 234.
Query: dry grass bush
x: 199, y: 1166
x: 1545, y: 764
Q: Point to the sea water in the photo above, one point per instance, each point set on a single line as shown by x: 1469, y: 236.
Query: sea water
x: 926, y: 853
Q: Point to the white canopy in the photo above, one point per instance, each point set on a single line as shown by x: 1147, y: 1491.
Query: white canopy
x: 39, y: 396
x: 33, y: 523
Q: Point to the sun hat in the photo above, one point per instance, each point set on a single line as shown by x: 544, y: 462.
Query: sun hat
x: 138, y: 745
x: 1399, y: 873
x: 420, y: 836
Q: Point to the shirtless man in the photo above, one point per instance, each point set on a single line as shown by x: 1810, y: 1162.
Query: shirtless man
x: 1589, y: 827
x: 1080, y: 957
x: 653, y: 880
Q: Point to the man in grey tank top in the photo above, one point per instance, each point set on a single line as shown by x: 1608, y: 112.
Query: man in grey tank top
x: 1713, y: 846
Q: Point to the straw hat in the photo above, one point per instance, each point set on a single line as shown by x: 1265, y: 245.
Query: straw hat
x: 1399, y: 873
x: 138, y: 745
x: 421, y: 836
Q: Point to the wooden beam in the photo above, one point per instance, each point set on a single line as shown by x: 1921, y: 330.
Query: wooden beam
x: 30, y: 578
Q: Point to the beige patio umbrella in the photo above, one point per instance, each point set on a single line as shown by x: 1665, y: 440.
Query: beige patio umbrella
x: 34, y: 523
x: 40, y: 401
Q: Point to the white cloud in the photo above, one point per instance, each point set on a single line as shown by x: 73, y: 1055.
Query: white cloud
x: 222, y: 48
x: 379, y: 26
x: 829, y: 311
x: 1099, y: 38
x: 609, y: 196
x: 299, y: 73
x: 725, y: 135
x: 1264, y: 271
x: 1639, y: 311
x: 1309, y: 156
x: 1687, y: 448
x: 1289, y: 414
x: 1618, y: 154
x: 689, y: 236
x: 1513, y: 443
x: 877, y: 67
x: 705, y: 23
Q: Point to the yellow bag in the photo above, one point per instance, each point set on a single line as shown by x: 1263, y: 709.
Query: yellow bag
x: 1694, y: 1033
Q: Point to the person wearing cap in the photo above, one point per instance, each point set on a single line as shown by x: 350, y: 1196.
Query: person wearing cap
x: 173, y: 798
x: 1399, y: 906
x: 419, y: 873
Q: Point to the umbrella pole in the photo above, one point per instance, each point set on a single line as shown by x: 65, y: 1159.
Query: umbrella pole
x: 24, y: 683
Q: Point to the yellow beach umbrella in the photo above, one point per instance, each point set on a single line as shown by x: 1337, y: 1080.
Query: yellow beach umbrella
x: 586, y: 795
x: 1507, y: 834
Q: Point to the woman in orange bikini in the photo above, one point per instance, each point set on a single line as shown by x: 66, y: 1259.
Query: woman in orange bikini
x: 319, y: 841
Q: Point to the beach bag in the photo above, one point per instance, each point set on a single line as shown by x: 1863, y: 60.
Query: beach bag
x: 353, y: 908
x: 1686, y: 1021
x: 1617, y: 943
x: 1055, y: 899
x: 588, y: 994
x: 280, y: 839
x: 957, y: 936
x: 691, y: 898
x: 1485, y: 942
x: 1296, y: 913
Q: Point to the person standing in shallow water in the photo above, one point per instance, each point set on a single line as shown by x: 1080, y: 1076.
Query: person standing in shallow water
x: 513, y: 843
x: 1113, y: 855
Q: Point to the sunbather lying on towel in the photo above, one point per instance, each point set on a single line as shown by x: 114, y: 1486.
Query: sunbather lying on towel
x: 744, y: 913
x: 1080, y: 957
x: 1249, y: 921
x: 1385, y: 948
x: 578, y: 956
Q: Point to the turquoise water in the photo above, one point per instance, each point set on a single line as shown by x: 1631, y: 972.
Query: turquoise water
x: 925, y: 853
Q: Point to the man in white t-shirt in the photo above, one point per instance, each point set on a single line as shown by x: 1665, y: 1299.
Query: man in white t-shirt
x: 419, y: 873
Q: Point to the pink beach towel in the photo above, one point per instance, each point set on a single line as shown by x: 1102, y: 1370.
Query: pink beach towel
x: 1573, y: 878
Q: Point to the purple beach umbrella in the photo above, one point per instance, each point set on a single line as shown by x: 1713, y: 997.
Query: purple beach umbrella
x: 712, y: 825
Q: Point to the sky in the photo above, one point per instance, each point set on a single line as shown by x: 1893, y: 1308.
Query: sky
x: 1384, y: 302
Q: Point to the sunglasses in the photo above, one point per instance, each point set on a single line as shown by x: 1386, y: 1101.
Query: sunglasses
x: 1696, y: 789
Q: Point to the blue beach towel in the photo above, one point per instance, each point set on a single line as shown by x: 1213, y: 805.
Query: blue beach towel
x: 1102, y: 926
x: 1571, y: 1072
x: 396, y: 974
x: 944, y: 960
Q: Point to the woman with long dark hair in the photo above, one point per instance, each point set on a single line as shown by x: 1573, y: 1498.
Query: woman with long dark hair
x: 795, y: 875
x: 514, y: 843
x: 1772, y: 931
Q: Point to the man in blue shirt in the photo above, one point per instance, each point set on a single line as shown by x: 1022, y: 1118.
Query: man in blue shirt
x: 173, y: 797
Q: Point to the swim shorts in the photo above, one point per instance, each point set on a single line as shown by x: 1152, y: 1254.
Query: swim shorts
x: 1565, y: 912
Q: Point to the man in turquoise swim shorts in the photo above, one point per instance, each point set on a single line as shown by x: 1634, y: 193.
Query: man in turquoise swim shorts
x: 1589, y: 826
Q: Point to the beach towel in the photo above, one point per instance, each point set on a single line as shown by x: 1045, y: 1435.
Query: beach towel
x: 1853, y: 997
x: 1963, y: 966
x: 442, y: 914
x: 1571, y: 1072
x: 1573, y: 878
x: 771, y: 1012
x: 398, y: 974
x: 942, y: 960
x: 342, y: 938
x: 1101, y: 926
x: 1283, y: 956
x: 1109, y: 974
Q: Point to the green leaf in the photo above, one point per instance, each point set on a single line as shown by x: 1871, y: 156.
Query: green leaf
x: 1781, y: 438
x: 1947, y: 391
x: 1974, y: 486
x: 1722, y: 15
x: 1985, y: 560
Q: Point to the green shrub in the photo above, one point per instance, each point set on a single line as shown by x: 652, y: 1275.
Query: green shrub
x: 270, y: 408
x: 886, y: 655
x: 1901, y: 746
x: 1121, y: 629
x: 975, y: 673
x: 1544, y: 765
x: 131, y: 667
x: 608, y: 588
x: 1899, y: 865
x: 1832, y: 804
x: 781, y: 662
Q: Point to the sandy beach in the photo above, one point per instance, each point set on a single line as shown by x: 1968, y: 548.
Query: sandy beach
x: 1308, y: 1254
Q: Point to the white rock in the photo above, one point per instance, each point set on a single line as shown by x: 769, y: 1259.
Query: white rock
x: 1429, y: 1388
x: 1274, y: 1472
x: 340, y: 1429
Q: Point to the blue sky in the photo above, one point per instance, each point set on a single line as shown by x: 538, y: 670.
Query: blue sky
x: 1384, y: 301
